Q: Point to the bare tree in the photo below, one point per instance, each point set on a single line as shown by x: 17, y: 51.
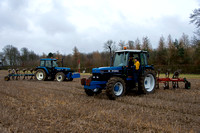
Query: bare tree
x: 110, y: 45
x: 24, y: 58
x: 12, y: 55
x: 131, y: 45
x: 195, y: 17
x: 161, y: 45
x: 121, y: 44
x: 137, y: 44
x: 146, y: 44
x: 161, y: 52
x: 33, y: 58
x: 184, y: 40
x: 96, y: 59
x: 2, y: 59
x: 75, y: 57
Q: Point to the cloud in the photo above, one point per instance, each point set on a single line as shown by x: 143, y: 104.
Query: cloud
x: 12, y: 16
x: 50, y: 26
x: 53, y: 22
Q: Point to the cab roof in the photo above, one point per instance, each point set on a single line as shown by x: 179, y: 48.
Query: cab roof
x: 51, y: 59
x: 132, y: 51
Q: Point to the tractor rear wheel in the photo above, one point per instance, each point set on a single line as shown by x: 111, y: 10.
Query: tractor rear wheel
x: 40, y: 75
x: 115, y: 87
x: 147, y: 83
x: 60, y: 76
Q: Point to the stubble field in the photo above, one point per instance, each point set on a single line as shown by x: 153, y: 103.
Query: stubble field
x: 50, y: 106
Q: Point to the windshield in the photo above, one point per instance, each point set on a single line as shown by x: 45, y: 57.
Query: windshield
x: 121, y: 59
x: 55, y: 64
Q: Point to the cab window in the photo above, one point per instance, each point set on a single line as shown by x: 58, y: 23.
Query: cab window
x: 48, y: 63
x: 121, y: 59
x: 143, y: 58
x: 55, y: 64
x: 42, y: 63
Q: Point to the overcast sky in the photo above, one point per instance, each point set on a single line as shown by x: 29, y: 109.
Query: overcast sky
x: 60, y: 25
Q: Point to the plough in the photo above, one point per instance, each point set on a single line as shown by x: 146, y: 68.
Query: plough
x: 175, y: 80
x: 16, y: 74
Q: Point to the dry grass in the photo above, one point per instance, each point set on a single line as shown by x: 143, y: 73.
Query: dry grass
x: 33, y: 106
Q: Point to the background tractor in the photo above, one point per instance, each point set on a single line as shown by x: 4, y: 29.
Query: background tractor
x: 48, y: 70
x: 119, y: 78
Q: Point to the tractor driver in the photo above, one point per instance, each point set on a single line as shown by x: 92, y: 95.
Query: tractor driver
x: 137, y: 67
x: 137, y: 64
x: 130, y: 61
x: 130, y: 65
x: 134, y: 62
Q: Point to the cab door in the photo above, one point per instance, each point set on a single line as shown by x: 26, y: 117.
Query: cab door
x: 48, y: 66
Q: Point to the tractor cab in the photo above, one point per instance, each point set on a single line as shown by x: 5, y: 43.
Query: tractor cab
x: 122, y: 57
x: 48, y: 62
x: 119, y: 77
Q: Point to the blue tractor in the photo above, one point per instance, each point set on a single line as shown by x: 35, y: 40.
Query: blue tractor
x: 49, y: 70
x: 118, y: 79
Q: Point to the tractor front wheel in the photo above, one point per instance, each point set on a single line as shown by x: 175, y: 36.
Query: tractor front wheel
x: 89, y: 92
x: 147, y: 83
x: 40, y: 75
x: 60, y: 76
x: 115, y: 87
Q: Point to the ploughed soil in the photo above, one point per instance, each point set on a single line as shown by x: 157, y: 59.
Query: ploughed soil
x: 50, y: 106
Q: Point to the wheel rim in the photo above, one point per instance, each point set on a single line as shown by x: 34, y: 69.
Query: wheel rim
x: 149, y: 82
x: 96, y: 90
x: 118, y: 88
x: 40, y: 75
x: 59, y: 78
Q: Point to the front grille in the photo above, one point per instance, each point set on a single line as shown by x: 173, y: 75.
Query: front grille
x: 100, y: 77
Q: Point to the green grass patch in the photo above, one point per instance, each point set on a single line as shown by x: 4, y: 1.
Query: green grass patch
x: 87, y: 74
x: 189, y: 76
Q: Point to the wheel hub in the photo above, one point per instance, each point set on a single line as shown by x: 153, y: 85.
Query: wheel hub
x: 118, y: 89
x: 40, y: 76
x: 149, y: 82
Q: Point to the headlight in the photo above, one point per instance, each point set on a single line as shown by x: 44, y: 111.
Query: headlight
x: 95, y: 77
